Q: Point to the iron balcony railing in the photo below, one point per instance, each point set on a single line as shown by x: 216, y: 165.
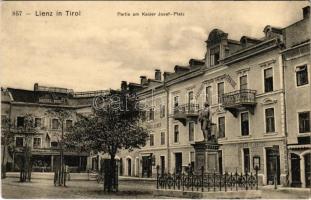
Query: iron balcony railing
x: 207, y: 181
x: 188, y: 109
x: 238, y: 97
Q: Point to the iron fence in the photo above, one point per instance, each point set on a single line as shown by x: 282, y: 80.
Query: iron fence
x: 207, y: 181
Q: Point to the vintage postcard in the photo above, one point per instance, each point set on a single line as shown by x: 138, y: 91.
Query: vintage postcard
x: 155, y: 99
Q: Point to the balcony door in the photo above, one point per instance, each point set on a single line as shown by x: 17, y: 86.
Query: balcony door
x: 190, y: 101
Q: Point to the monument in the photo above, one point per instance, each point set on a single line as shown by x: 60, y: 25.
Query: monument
x: 206, y: 151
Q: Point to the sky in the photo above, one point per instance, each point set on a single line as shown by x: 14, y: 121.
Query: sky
x: 99, y: 48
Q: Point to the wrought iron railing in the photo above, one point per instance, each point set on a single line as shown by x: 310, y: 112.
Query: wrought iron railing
x: 207, y: 181
x: 238, y: 97
x: 187, y: 109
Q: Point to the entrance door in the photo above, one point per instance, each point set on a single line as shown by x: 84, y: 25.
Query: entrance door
x: 129, y: 167
x: 308, y: 169
x: 147, y: 166
x: 220, y: 161
x: 162, y: 158
x: 273, y: 165
x: 178, y: 162
x: 295, y: 170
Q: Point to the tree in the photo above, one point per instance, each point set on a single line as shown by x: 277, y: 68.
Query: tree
x: 7, y: 143
x: 28, y: 130
x: 61, y: 115
x: 114, y: 127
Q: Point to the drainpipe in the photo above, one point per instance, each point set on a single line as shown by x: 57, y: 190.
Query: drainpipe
x: 167, y: 128
x: 282, y: 62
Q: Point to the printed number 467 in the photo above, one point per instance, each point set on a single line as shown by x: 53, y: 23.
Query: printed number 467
x: 17, y: 13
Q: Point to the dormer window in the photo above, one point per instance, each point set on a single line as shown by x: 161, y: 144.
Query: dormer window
x: 214, y: 56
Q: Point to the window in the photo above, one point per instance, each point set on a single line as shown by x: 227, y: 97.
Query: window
x: 221, y: 90
x: 176, y: 133
x: 191, y: 131
x: 208, y: 95
x: 162, y: 111
x: 302, y: 75
x: 143, y: 115
x: 68, y: 125
x: 19, y: 141
x: 268, y: 73
x: 269, y: 120
x: 37, y: 122
x: 214, y: 56
x: 151, y: 114
x: 246, y: 158
x: 190, y: 98
x: 4, y: 121
x: 304, y: 122
x: 244, y: 124
x: 20, y: 121
x: 54, y: 144
x: 55, y: 123
x: 243, y: 82
x: 151, y: 140
x: 221, y: 127
x: 176, y: 98
x: 36, y: 142
x: 162, y: 138
x: 192, y: 160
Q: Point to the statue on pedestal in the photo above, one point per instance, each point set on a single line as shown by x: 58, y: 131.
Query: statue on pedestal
x: 206, y: 122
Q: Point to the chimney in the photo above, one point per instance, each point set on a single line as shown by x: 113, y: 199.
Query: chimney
x: 123, y: 86
x: 166, y: 74
x: 306, y: 12
x: 35, y: 87
x: 157, y: 75
x: 143, y: 80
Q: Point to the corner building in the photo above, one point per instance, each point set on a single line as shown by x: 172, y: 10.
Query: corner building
x: 249, y: 84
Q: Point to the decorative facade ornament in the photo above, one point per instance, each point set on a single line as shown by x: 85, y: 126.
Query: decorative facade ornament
x: 268, y: 101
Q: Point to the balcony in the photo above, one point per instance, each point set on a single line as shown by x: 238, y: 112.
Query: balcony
x: 239, y: 100
x: 186, y: 112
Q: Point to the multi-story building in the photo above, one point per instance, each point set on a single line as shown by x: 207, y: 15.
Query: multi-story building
x: 44, y: 137
x: 249, y: 85
x: 296, y: 66
x: 259, y: 94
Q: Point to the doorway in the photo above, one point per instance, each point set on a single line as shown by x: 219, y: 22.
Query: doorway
x: 307, y: 166
x: 162, y: 160
x: 129, y: 167
x: 146, y: 166
x: 273, y: 165
x: 178, y: 163
x: 295, y: 170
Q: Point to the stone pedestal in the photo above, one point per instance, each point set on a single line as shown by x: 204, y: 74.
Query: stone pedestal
x: 206, y: 155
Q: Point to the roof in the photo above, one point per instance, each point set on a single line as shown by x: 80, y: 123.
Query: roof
x: 21, y: 95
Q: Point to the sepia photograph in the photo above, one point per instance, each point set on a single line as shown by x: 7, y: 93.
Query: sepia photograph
x: 155, y: 99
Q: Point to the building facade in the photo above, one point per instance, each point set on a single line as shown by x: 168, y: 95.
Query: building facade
x: 44, y: 136
x: 251, y: 86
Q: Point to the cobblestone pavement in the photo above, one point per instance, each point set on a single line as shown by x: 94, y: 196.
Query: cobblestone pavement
x: 41, y: 188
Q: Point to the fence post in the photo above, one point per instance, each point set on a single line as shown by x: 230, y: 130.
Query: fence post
x: 174, y: 180
x: 246, y: 181
x: 220, y: 177
x: 214, y: 181
x: 157, y: 176
x: 202, y: 178
x: 236, y: 180
x: 225, y: 181
x: 231, y: 182
x: 251, y: 182
x: 182, y: 181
